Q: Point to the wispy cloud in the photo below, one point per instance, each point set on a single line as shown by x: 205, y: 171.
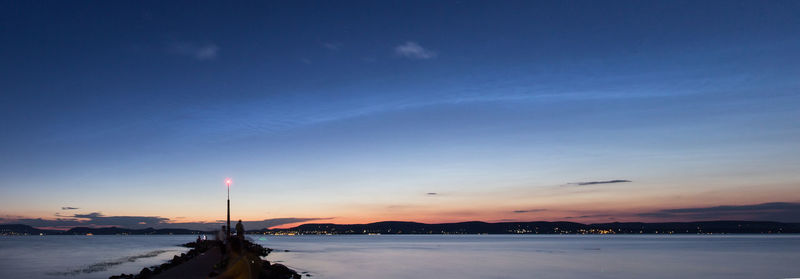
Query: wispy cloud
x: 774, y: 211
x: 98, y: 219
x: 530, y: 210
x: 414, y: 51
x: 277, y: 113
x: 201, y: 52
x: 268, y: 223
x: 68, y: 208
x: 590, y: 216
x: 586, y: 183
x: 333, y: 45
x: 431, y: 194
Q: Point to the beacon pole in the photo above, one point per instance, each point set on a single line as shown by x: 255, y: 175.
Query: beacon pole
x: 228, y: 182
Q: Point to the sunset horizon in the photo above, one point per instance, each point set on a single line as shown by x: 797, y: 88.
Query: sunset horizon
x: 160, y: 139
x: 397, y: 125
x: 766, y: 212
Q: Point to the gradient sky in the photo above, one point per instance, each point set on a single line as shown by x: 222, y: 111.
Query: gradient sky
x: 133, y: 113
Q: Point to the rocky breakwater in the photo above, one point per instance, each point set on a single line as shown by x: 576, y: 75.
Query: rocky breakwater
x: 238, y: 257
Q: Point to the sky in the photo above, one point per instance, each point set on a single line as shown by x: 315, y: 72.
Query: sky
x: 132, y: 113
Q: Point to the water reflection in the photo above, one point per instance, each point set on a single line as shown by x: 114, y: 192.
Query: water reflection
x: 513, y: 256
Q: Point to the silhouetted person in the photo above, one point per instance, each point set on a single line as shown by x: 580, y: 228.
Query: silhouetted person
x: 240, y: 229
x: 222, y: 239
x: 221, y: 234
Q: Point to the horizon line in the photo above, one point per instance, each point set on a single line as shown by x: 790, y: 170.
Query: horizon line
x: 355, y: 224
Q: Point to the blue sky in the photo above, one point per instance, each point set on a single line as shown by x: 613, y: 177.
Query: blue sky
x: 356, y: 110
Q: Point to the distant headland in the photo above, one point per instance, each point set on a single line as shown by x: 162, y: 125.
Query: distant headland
x: 393, y: 227
x: 19, y: 229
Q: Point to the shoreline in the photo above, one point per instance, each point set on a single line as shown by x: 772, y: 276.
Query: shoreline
x: 473, y: 227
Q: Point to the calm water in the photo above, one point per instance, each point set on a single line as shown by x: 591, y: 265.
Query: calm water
x: 554, y: 256
x: 98, y: 256
x: 430, y: 256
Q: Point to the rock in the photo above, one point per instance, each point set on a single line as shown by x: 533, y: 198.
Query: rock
x: 145, y: 273
x: 279, y: 271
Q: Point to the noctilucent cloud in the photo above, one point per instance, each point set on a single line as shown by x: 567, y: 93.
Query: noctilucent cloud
x: 134, y: 113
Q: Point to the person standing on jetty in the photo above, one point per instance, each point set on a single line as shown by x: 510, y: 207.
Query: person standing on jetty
x: 240, y: 229
x: 221, y: 234
x: 223, y: 240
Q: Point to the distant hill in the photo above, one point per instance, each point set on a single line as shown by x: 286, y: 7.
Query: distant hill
x: 541, y: 228
x: 15, y: 229
x: 116, y: 230
x: 18, y: 229
x: 391, y: 227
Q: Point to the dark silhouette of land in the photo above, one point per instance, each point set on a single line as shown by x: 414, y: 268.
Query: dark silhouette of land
x: 543, y: 228
x: 728, y: 227
x: 19, y: 229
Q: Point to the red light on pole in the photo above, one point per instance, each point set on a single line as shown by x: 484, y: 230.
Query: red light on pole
x: 228, y: 182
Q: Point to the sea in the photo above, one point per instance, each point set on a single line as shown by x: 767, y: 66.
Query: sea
x: 430, y: 256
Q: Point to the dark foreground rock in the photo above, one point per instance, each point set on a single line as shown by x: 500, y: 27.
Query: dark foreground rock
x: 275, y: 271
